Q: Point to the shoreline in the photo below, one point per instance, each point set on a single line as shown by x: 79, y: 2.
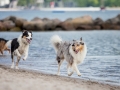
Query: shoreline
x: 65, y: 9
x: 36, y: 80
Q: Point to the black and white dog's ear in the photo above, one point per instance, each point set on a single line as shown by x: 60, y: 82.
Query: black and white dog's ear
x: 81, y: 39
x: 30, y: 32
x: 74, y: 40
x: 24, y: 31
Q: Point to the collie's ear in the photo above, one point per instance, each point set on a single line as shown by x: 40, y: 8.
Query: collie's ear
x: 81, y: 39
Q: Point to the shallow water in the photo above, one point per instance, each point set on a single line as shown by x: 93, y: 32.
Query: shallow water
x: 102, y: 62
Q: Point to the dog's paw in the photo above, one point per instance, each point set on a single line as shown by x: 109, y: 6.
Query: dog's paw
x: 16, y: 67
x: 12, y: 66
x: 24, y: 59
x: 70, y: 74
x: 58, y: 74
x: 79, y: 75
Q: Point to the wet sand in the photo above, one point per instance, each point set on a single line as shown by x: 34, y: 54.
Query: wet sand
x: 11, y: 79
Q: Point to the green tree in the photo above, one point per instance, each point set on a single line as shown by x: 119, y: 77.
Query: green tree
x: 112, y: 3
x: 87, y: 3
x: 26, y: 2
x: 80, y: 3
x: 98, y: 3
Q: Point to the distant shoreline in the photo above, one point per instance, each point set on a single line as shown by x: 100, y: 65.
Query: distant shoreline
x: 63, y: 9
x: 9, y: 9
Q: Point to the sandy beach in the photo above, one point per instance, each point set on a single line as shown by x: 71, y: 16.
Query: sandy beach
x: 12, y: 79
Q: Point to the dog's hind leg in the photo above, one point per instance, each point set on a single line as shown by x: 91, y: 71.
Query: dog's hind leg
x: 12, y: 56
x: 59, y: 64
x: 75, y: 68
x: 18, y: 59
x: 1, y: 52
x: 7, y: 49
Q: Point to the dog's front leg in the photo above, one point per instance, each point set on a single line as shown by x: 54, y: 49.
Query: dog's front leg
x: 58, y: 73
x: 69, y: 73
x: 17, y: 52
x: 18, y: 59
x: 25, y: 54
x: 75, y: 68
x: 68, y: 67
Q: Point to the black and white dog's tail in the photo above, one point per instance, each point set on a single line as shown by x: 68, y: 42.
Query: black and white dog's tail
x: 56, y: 41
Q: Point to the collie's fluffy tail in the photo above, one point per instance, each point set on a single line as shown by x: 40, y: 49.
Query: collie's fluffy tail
x: 56, y: 40
x: 8, y: 44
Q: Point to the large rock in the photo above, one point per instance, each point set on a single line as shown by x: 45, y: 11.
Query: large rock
x: 98, y: 21
x: 85, y: 20
x: 84, y: 27
x: 112, y: 21
x: 38, y: 24
x: 36, y: 19
x: 108, y: 26
x: 33, y: 25
x: 50, y: 24
x: 82, y: 20
x: 28, y: 25
x: 11, y: 18
x: 2, y: 27
x: 66, y: 25
x: 115, y: 20
x: 45, y: 19
x: 97, y: 27
x: 8, y: 24
x: 77, y: 23
x: 56, y: 22
x: 19, y: 22
x: 15, y: 29
x: 69, y: 19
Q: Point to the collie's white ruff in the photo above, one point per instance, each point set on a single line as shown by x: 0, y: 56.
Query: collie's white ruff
x: 78, y: 58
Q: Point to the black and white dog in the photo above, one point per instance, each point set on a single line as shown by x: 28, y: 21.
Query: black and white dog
x: 20, y: 47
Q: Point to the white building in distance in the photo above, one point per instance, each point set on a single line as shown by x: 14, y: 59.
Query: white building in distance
x: 4, y: 2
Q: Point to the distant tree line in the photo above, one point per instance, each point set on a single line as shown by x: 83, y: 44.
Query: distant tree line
x: 98, y: 3
x: 26, y: 2
x: 79, y: 3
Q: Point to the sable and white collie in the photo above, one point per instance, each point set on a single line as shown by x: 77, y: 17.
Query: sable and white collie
x: 74, y: 53
x: 3, y: 45
x: 20, y: 47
